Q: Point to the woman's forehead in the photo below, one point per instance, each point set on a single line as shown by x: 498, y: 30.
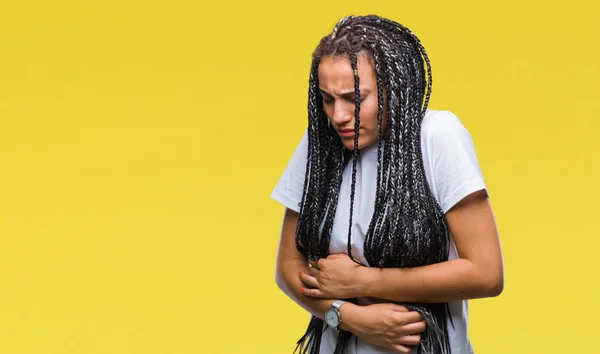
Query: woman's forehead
x: 337, y: 70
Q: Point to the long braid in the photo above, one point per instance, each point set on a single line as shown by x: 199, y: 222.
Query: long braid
x: 408, y: 227
x: 355, y: 155
x: 381, y: 177
x: 436, y: 323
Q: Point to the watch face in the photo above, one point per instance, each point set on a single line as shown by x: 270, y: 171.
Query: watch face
x: 331, y: 317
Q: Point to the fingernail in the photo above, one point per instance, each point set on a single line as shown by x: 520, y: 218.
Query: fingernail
x: 302, y: 290
x: 300, y: 274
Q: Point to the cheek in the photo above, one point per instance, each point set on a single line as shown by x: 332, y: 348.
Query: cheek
x: 328, y: 108
x: 368, y: 113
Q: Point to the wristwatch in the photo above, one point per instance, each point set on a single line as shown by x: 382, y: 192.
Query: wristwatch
x: 332, y: 316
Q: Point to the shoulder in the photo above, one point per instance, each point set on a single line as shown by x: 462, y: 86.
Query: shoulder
x: 441, y: 129
x: 440, y: 123
x: 450, y: 158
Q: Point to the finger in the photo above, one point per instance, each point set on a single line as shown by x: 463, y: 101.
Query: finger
x: 401, y: 348
x: 319, y: 264
x: 309, y: 280
x: 312, y: 292
x: 414, y: 328
x: 314, y: 272
x: 411, y: 339
x: 411, y: 317
x: 398, y: 308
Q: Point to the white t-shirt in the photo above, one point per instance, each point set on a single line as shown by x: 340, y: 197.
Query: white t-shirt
x: 452, y: 171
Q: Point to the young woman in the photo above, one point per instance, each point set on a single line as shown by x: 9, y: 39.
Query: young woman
x: 388, y: 228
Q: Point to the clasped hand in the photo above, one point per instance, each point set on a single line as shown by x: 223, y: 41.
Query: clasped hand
x: 384, y: 324
x: 335, y: 277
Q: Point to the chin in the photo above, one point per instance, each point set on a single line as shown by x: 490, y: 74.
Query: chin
x: 349, y: 143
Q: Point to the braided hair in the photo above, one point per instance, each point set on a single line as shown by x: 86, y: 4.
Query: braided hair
x: 408, y: 227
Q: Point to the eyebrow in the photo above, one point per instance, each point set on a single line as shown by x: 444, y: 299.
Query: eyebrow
x: 347, y: 94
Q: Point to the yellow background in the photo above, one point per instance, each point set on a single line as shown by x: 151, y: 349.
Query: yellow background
x: 140, y: 141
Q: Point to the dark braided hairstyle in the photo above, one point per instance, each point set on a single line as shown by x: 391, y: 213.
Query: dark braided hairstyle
x: 408, y: 227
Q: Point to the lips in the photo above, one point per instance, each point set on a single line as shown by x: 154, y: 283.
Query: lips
x: 345, y: 133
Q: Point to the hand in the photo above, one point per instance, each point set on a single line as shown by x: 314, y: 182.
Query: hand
x: 384, y: 324
x: 335, y: 277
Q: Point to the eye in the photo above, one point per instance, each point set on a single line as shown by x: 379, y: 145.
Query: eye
x: 351, y: 99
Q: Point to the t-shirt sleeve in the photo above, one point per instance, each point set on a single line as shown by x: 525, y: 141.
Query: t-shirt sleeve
x: 288, y: 190
x: 453, y: 160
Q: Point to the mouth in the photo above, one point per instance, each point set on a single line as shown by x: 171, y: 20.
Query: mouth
x: 346, y: 133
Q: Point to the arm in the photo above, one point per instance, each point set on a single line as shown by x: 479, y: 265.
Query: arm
x: 290, y: 263
x: 478, y: 273
x: 388, y: 325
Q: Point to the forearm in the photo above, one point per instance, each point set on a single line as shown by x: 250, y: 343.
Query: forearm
x: 290, y: 263
x: 456, y: 279
x: 289, y: 282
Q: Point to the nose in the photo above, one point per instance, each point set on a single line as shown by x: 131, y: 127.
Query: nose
x: 342, y: 113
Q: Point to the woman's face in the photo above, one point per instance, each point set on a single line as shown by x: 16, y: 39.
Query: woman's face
x: 336, y: 82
